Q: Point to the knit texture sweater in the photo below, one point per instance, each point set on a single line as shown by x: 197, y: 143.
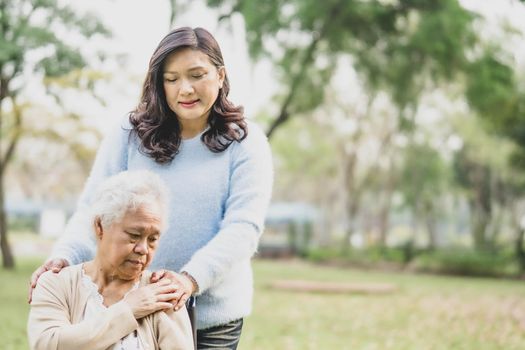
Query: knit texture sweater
x: 217, y: 201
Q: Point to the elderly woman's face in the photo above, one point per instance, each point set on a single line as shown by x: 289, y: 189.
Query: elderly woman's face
x: 127, y: 247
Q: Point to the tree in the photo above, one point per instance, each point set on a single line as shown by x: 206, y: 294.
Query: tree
x: 397, y: 46
x: 423, y: 183
x: 52, y: 33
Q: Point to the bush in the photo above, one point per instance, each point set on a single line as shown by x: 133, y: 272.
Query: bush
x: 465, y: 262
x: 365, y: 257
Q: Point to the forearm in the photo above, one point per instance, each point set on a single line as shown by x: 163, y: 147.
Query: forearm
x: 77, y: 243
x: 233, y: 244
x: 49, y: 330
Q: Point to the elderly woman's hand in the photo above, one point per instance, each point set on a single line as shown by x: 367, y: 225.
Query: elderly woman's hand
x: 185, y: 286
x: 151, y: 298
x: 54, y: 265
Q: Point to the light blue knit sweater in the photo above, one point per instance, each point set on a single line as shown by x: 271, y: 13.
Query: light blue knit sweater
x: 218, y: 203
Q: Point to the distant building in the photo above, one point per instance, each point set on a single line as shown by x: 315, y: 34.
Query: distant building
x: 289, y: 229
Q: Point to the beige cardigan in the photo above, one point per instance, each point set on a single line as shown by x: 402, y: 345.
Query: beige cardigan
x: 55, y: 319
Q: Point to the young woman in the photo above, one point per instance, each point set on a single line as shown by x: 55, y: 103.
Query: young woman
x: 218, y: 168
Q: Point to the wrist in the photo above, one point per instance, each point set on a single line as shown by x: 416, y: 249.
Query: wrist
x: 194, y: 283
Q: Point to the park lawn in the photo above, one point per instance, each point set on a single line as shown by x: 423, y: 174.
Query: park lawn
x: 425, y: 312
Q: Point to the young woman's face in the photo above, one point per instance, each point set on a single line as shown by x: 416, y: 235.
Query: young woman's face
x: 191, y: 84
x: 127, y: 247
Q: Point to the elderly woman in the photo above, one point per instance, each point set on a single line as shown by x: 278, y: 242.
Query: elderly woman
x: 107, y: 303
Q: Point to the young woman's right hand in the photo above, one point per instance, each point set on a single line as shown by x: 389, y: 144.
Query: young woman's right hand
x: 151, y: 298
x: 54, y: 265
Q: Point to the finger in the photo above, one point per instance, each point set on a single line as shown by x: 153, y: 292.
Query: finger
x: 162, y: 283
x: 182, y: 301
x: 172, y: 298
x: 170, y: 288
x: 30, y: 294
x: 56, y: 266
x: 162, y: 305
x: 36, y: 275
x: 34, y: 279
x: 157, y: 275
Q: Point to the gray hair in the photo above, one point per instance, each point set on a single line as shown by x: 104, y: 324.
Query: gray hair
x: 128, y: 191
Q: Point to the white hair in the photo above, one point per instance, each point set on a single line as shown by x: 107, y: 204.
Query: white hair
x: 128, y: 191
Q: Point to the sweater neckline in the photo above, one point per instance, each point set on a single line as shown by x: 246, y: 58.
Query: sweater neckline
x: 196, y: 137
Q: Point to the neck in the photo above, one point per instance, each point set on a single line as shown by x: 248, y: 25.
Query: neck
x: 191, y: 128
x: 104, y: 276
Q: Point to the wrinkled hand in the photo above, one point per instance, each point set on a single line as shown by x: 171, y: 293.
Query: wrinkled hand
x: 54, y: 265
x: 185, y: 287
x: 151, y: 298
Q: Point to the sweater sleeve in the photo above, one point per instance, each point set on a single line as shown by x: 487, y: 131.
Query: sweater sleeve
x: 49, y: 326
x: 245, y: 210
x: 173, y: 330
x: 77, y: 243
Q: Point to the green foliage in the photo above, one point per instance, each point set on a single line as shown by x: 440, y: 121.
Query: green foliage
x: 32, y: 25
x: 40, y: 41
x: 424, y: 175
x: 400, y: 47
x: 450, y: 261
x: 306, y: 148
x: 467, y: 263
x: 493, y: 91
x: 369, y: 257
x: 491, y: 88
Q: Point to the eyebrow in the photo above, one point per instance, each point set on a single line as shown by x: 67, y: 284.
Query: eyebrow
x: 141, y: 229
x: 189, y: 70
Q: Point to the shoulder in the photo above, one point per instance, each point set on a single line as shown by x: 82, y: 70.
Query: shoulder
x: 54, y: 281
x: 66, y: 274
x: 255, y: 140
x: 121, y: 125
x: 255, y: 132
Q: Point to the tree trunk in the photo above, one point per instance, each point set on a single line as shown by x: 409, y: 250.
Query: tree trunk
x: 430, y: 224
x: 353, y: 198
x: 384, y: 214
x: 520, y: 251
x: 480, y: 220
x: 8, y: 261
x: 7, y: 256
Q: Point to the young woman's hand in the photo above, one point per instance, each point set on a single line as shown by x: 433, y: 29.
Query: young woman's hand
x: 54, y: 265
x: 185, y: 286
x: 152, y: 298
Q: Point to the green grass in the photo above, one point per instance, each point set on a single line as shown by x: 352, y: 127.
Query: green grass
x: 13, y: 304
x: 426, y: 312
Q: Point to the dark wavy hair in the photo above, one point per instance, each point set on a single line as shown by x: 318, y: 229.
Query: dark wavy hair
x: 157, y: 125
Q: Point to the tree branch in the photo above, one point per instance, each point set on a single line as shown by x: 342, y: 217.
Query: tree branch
x: 4, y: 160
x: 284, y: 114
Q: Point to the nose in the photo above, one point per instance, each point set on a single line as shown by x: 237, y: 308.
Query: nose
x: 141, y: 247
x: 186, y: 87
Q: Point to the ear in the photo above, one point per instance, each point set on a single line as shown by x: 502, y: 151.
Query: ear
x: 99, y: 231
x: 221, y: 71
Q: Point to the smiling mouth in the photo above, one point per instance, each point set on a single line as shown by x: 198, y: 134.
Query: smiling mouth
x: 188, y: 104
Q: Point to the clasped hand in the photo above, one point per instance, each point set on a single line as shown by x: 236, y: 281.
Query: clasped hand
x: 185, y: 287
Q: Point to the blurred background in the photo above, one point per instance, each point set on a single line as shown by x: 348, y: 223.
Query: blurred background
x: 398, y: 135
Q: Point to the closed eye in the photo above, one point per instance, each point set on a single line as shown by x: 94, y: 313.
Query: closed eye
x: 133, y: 236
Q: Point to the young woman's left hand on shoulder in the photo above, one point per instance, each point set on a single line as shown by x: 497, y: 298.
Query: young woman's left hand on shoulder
x: 185, y: 286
